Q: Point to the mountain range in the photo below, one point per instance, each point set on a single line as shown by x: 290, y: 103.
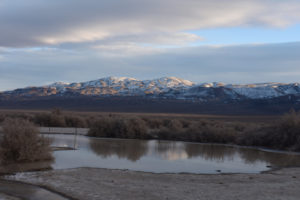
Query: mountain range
x: 167, y: 94
x: 166, y: 87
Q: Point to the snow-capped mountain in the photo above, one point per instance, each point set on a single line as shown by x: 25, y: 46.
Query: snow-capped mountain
x: 166, y: 87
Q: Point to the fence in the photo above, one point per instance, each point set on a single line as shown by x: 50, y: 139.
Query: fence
x: 59, y: 130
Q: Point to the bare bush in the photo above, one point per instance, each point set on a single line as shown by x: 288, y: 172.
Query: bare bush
x: 136, y: 128
x: 281, y: 134
x: 75, y: 121
x: 287, y: 132
x: 119, y: 128
x: 153, y: 123
x: 21, y: 142
x: 174, y: 125
x: 103, y: 128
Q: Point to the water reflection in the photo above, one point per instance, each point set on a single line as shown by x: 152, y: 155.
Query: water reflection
x: 70, y: 141
x: 132, y: 150
x: 169, y: 150
x: 214, y: 152
x: 165, y: 156
x: 274, y: 159
x: 210, y: 151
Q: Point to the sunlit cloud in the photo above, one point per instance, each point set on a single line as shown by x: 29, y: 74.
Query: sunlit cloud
x: 76, y: 36
x: 55, y: 22
x: 125, y: 50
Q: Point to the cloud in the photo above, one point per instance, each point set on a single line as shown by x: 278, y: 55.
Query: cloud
x: 125, y: 49
x: 230, y: 64
x: 38, y: 23
x: 134, y: 45
x: 45, y: 41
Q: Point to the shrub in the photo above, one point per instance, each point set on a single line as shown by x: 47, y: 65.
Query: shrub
x: 174, y: 125
x: 255, y: 136
x: 52, y: 120
x: 102, y: 128
x: 2, y: 117
x: 75, y: 121
x: 136, y: 128
x: 286, y: 133
x: 283, y: 134
x: 42, y: 119
x: 119, y: 128
x: 21, y: 142
x: 211, y: 133
x: 165, y: 133
x: 153, y: 123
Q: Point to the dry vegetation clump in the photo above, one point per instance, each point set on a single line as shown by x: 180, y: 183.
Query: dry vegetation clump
x: 136, y: 128
x: 255, y: 136
x: 284, y: 134
x: 16, y: 115
x: 106, y: 127
x: 281, y: 134
x: 2, y: 117
x: 152, y: 123
x: 51, y: 120
x: 75, y: 121
x: 199, y: 131
x: 58, y: 119
x: 212, y: 133
x: 119, y: 128
x: 21, y: 142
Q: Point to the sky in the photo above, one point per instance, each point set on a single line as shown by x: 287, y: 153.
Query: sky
x: 230, y: 41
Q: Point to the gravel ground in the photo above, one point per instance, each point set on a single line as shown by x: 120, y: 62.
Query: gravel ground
x: 90, y: 183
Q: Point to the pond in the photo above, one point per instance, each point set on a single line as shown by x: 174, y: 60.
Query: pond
x: 164, y: 156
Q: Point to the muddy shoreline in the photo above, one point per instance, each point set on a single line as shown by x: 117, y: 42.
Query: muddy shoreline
x: 92, y: 183
x: 11, y: 189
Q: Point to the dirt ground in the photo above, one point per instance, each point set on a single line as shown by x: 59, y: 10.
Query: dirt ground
x: 90, y: 183
x: 6, y: 197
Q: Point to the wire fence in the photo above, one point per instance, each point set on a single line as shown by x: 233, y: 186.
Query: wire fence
x: 60, y: 130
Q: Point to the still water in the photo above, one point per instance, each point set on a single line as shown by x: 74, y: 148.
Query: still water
x: 164, y: 156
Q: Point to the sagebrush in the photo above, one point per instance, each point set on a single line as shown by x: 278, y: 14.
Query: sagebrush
x: 21, y: 142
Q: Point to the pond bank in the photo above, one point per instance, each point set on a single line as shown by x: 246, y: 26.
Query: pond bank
x: 91, y: 183
x: 13, y: 190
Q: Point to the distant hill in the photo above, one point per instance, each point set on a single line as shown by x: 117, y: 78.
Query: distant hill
x: 168, y: 94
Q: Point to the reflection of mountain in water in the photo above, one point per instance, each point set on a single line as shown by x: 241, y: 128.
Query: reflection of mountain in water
x: 210, y: 151
x: 134, y: 149
x: 274, y: 159
x: 250, y: 156
x: 180, y: 150
x: 169, y: 150
x: 130, y: 149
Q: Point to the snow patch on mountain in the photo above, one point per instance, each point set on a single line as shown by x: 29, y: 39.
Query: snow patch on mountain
x: 169, y: 87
